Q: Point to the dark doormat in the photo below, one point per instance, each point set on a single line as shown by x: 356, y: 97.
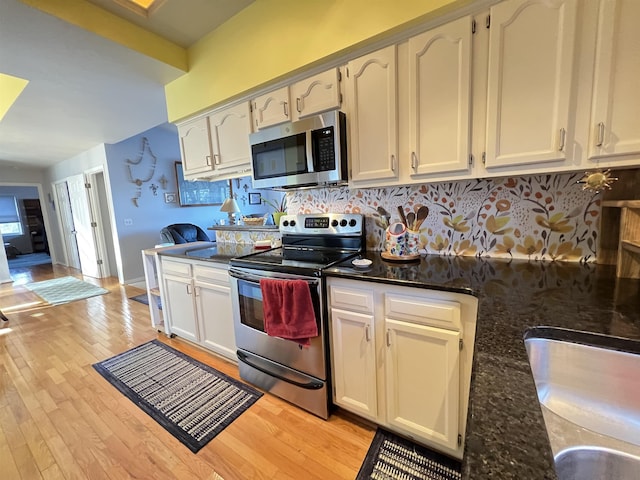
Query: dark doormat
x: 191, y: 400
x: 393, y: 458
x: 144, y: 298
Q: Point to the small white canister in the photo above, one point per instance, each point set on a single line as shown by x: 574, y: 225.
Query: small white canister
x: 396, y: 239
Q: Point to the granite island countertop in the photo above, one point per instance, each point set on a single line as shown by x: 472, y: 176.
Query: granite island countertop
x: 217, y: 252
x: 506, y: 437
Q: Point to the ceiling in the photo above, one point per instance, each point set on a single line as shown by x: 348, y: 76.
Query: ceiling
x: 83, y: 89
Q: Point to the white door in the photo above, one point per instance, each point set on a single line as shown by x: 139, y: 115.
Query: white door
x: 531, y: 54
x: 353, y: 348
x: 423, y: 381
x: 230, y: 129
x: 440, y: 99
x: 215, y: 318
x: 616, y: 103
x: 66, y: 225
x: 102, y: 232
x: 195, y: 146
x: 83, y: 223
x: 179, y: 303
x: 316, y: 94
x: 373, y: 111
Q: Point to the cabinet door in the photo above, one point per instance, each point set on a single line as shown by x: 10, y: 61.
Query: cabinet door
x: 423, y: 381
x: 354, y: 362
x: 271, y: 108
x: 180, y: 307
x: 195, y: 146
x: 215, y: 318
x: 531, y: 51
x: 373, y: 116
x: 440, y: 99
x: 230, y: 129
x: 316, y: 94
x: 616, y: 102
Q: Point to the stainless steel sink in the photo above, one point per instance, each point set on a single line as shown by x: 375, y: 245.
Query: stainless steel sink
x: 594, y: 387
x: 589, y: 394
x: 593, y: 463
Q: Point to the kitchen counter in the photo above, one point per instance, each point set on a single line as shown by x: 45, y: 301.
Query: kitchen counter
x: 506, y: 435
x: 211, y: 251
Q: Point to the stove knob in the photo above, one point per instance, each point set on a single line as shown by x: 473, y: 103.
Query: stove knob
x: 334, y: 223
x: 292, y: 223
x: 343, y: 223
x: 285, y: 223
x: 352, y: 222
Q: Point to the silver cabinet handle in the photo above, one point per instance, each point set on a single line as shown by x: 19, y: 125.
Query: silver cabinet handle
x: 197, y: 291
x: 393, y: 163
x: 286, y: 110
x: 414, y: 161
x: 388, y: 338
x: 188, y: 285
x: 298, y: 105
x: 208, y: 157
x: 216, y: 159
x: 563, y: 135
x: 600, y: 139
x: 367, y: 336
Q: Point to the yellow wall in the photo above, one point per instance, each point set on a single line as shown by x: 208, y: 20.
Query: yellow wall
x: 274, y: 38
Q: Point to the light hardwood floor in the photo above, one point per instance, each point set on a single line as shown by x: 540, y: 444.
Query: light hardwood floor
x: 59, y: 419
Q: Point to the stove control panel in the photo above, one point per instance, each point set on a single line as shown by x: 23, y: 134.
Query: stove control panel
x: 323, y: 224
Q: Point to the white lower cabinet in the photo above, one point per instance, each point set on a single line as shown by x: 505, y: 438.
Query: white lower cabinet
x: 198, y: 304
x: 401, y: 357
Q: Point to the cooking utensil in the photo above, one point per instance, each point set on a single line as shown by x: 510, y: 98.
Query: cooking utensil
x: 411, y: 218
x: 386, y: 215
x: 422, y: 214
x: 402, y: 216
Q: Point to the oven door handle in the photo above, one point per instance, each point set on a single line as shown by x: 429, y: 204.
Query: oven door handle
x: 256, y: 278
x: 308, y: 385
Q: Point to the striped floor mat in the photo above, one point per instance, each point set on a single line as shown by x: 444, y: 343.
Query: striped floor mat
x: 393, y: 458
x: 192, y: 401
x: 64, y: 290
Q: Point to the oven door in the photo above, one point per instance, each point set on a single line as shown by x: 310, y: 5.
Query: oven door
x: 249, y: 324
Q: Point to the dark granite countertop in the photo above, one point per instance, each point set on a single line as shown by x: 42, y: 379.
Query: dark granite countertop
x: 506, y: 437
x: 212, y: 252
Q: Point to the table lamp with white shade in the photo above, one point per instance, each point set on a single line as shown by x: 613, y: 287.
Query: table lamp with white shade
x: 230, y: 206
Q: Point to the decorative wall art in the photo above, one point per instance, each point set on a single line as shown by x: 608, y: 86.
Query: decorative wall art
x: 200, y: 193
x: 255, y: 198
x: 141, y: 170
x: 170, y: 197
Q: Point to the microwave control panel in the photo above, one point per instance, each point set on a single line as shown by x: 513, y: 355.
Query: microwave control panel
x: 324, y: 154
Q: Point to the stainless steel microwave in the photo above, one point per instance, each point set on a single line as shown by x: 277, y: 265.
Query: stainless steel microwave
x: 307, y: 153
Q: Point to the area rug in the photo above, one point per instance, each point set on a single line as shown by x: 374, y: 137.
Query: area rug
x: 393, y: 458
x: 144, y: 298
x: 64, y: 290
x: 29, y: 260
x: 192, y: 401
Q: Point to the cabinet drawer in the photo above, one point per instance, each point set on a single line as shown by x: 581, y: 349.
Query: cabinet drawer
x: 352, y: 299
x: 426, y: 311
x: 203, y: 273
x: 176, y: 268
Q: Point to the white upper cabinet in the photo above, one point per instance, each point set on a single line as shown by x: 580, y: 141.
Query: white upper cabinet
x: 440, y: 99
x: 531, y: 55
x: 230, y: 129
x: 271, y: 108
x: 195, y: 146
x: 615, y: 113
x: 316, y: 94
x: 372, y: 100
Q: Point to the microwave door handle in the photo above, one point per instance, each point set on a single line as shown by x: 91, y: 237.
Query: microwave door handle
x: 309, y: 151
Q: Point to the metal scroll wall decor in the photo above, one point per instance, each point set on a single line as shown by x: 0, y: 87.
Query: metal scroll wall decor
x: 141, y: 171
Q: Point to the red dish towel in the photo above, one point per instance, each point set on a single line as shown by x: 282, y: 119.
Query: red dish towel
x: 288, y: 310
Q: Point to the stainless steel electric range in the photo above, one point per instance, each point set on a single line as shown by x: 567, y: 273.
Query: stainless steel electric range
x: 310, y: 243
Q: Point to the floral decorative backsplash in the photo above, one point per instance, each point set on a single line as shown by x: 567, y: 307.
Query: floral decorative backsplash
x: 541, y: 217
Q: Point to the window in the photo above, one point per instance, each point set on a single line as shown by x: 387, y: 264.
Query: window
x: 9, y: 216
